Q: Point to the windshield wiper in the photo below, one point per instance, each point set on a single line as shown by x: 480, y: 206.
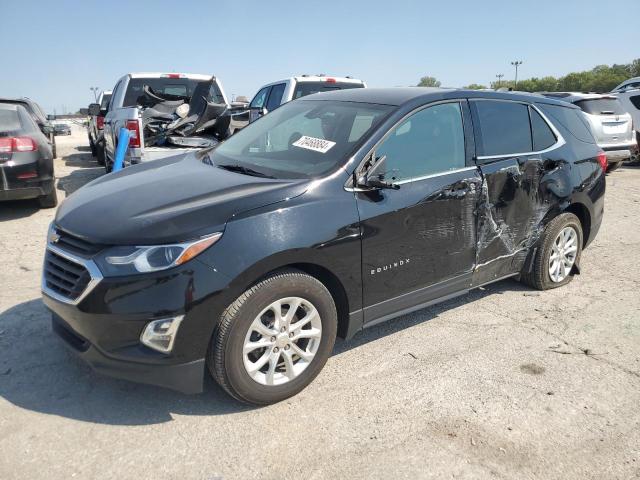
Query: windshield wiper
x: 244, y: 170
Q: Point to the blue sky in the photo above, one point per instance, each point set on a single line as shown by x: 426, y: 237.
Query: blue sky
x: 54, y: 50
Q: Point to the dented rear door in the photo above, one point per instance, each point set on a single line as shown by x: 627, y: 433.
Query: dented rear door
x: 511, y: 205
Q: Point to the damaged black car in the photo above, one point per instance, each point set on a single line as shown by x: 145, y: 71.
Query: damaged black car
x: 331, y: 214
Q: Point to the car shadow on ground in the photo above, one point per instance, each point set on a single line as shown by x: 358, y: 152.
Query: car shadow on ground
x: 412, y: 319
x: 16, y: 209
x: 38, y: 373
x: 88, y: 170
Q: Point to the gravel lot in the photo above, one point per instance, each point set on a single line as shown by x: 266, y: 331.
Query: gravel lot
x: 506, y: 382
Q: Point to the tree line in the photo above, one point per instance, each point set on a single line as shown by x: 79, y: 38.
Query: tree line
x: 600, y: 79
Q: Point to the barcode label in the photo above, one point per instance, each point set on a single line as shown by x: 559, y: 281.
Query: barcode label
x: 315, y: 144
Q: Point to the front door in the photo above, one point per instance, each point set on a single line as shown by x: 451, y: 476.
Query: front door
x: 419, y: 242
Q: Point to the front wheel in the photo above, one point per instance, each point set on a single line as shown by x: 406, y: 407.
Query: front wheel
x: 274, y: 339
x: 557, y: 255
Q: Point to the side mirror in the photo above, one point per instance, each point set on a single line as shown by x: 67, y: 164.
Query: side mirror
x: 94, y: 109
x: 374, y: 175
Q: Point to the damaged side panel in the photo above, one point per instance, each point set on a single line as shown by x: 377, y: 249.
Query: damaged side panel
x: 517, y: 195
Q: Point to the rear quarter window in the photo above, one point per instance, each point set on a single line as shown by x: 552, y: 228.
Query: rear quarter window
x: 635, y: 101
x: 571, y: 119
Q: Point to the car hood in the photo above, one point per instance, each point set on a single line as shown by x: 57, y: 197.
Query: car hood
x: 170, y: 200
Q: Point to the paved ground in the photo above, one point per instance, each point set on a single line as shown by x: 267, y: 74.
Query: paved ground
x: 503, y: 383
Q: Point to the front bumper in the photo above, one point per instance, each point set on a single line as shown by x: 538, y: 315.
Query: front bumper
x: 184, y: 377
x: 104, y: 324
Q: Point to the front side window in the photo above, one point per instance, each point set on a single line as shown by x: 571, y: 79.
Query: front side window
x: 303, y: 139
x: 503, y: 128
x: 428, y: 142
x: 260, y: 99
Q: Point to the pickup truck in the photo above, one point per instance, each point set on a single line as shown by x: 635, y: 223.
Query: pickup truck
x: 96, y: 127
x: 139, y: 103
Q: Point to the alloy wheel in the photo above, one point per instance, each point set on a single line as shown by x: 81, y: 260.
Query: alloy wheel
x: 282, y: 341
x: 563, y: 254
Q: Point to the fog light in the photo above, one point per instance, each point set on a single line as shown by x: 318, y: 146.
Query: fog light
x: 160, y: 334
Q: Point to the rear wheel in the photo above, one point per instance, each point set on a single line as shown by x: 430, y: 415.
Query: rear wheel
x: 274, y: 339
x: 93, y: 148
x: 50, y: 200
x: 100, y: 153
x: 557, y: 255
x: 613, y: 166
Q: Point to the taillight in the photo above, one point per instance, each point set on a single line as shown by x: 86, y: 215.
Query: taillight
x: 100, y: 122
x: 602, y: 160
x: 134, y: 133
x: 17, y: 144
x: 172, y: 75
x: 330, y: 80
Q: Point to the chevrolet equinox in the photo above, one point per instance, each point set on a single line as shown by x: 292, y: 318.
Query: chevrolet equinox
x: 333, y: 213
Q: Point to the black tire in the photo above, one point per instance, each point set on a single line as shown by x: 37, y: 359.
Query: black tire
x: 613, y: 166
x: 108, y: 166
x: 92, y: 146
x: 50, y: 200
x: 100, y: 153
x: 539, y: 277
x: 225, y: 356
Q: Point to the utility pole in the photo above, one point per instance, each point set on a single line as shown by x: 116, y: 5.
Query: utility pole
x: 499, y: 77
x: 95, y: 93
x: 516, y: 64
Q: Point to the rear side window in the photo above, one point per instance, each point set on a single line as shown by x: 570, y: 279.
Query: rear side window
x: 503, y: 128
x: 571, y: 119
x: 543, y: 137
x: 601, y: 106
x: 635, y: 101
x: 307, y: 88
x: 275, y: 98
x: 9, y: 120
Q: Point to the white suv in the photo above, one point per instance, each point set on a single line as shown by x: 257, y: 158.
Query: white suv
x: 274, y: 94
x: 611, y: 125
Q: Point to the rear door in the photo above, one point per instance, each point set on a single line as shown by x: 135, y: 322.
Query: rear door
x: 512, y: 161
x: 418, y: 242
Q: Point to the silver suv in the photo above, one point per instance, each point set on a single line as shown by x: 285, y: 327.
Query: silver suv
x: 611, y: 125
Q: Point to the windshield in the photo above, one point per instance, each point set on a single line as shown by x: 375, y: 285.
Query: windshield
x: 302, y: 139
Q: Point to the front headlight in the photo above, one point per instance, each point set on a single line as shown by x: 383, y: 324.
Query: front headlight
x: 118, y: 261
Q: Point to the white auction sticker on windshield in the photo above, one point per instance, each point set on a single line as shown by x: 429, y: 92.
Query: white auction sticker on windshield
x: 316, y: 144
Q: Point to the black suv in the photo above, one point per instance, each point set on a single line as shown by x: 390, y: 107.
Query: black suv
x: 332, y: 213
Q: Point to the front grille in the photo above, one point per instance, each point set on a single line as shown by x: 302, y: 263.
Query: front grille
x: 76, y: 245
x: 65, y: 277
